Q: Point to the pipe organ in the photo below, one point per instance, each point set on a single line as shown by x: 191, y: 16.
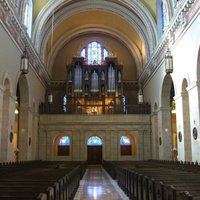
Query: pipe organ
x: 93, y: 88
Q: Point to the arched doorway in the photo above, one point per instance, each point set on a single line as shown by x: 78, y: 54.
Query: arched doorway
x: 167, y: 139
x: 94, y: 150
x: 186, y: 121
x: 23, y: 141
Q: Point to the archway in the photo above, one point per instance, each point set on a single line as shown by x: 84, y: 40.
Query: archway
x: 94, y: 150
x: 23, y: 119
x: 5, y: 121
x: 186, y: 121
x: 167, y: 140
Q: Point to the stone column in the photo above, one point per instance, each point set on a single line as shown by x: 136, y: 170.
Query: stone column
x: 83, y: 145
x: 23, y: 131
x: 165, y: 133
x: 42, y: 143
x: 186, y: 127
x: 107, y: 145
x: 155, y: 137
x: 180, y: 130
x: 114, y: 151
x: 76, y: 145
x: 11, y: 121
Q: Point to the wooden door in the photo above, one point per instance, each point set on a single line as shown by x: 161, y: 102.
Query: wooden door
x: 94, y: 155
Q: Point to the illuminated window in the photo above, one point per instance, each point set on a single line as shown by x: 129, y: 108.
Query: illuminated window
x: 27, y: 13
x: 63, y: 146
x: 94, y: 141
x: 65, y: 103
x: 125, y: 146
x: 164, y: 15
x: 94, y: 54
x: 124, y: 103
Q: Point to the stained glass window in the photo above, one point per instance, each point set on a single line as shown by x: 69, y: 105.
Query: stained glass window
x: 125, y: 146
x: 124, y: 103
x: 65, y: 103
x: 64, y: 141
x: 94, y: 141
x: 124, y: 140
x: 83, y: 53
x: 94, y: 54
x: 27, y: 15
x: 164, y: 15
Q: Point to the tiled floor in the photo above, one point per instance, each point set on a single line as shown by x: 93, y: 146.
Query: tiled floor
x: 98, y: 185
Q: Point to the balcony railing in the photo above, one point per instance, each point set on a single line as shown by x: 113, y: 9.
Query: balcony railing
x: 94, y: 109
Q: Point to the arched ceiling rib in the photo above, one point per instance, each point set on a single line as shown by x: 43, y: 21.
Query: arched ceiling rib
x: 128, y: 22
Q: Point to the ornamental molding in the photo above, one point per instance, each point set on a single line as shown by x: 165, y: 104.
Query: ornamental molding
x: 184, y: 13
x: 18, y: 34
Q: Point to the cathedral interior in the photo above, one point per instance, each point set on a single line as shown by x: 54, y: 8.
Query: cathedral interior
x: 97, y: 81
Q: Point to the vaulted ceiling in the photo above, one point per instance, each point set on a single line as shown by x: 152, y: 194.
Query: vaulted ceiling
x: 126, y: 28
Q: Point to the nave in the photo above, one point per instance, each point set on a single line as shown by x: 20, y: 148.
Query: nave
x: 97, y: 184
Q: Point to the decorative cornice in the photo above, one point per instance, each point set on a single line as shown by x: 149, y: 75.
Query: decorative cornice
x: 21, y: 39
x: 185, y: 12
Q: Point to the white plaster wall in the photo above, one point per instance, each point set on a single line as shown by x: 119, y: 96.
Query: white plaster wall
x: 10, y: 68
x: 185, y: 55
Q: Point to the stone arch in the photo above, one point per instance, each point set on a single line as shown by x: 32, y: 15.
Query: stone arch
x: 155, y: 135
x: 165, y: 116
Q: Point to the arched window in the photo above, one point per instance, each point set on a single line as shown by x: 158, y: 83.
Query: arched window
x: 125, y: 146
x: 63, y: 144
x: 94, y: 53
x: 94, y: 141
x: 65, y: 103
x: 162, y: 15
x: 124, y: 103
x: 27, y: 14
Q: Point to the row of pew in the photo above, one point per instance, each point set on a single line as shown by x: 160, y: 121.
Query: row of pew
x: 41, y: 180
x: 156, y: 180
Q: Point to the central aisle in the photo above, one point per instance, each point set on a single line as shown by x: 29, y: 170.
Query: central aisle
x: 98, y: 185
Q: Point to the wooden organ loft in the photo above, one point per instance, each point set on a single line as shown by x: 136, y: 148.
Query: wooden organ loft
x: 94, y: 89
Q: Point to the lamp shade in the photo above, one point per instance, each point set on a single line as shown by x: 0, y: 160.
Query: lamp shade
x: 140, y: 97
x: 168, y: 62
x: 24, y: 66
x: 50, y: 98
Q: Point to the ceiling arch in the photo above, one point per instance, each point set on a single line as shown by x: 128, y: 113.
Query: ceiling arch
x: 128, y: 22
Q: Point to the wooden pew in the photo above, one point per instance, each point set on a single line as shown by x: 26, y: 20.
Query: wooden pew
x: 147, y: 184
x: 27, y: 182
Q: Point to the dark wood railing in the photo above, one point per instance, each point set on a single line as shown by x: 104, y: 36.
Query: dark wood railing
x: 94, y: 109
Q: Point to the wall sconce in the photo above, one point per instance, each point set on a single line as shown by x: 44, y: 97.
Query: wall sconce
x: 24, y: 66
x: 168, y: 62
x: 50, y: 98
x: 140, y: 95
